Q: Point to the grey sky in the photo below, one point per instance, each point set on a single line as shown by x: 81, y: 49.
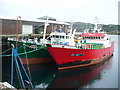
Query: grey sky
x: 63, y: 10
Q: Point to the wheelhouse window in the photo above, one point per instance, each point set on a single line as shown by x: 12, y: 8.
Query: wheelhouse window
x: 67, y: 37
x: 62, y: 37
x: 55, y: 36
x: 92, y: 38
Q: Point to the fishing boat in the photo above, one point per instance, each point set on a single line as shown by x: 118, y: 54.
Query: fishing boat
x: 33, y: 50
x: 93, y: 48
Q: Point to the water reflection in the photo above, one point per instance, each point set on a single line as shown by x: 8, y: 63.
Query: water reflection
x: 47, y: 76
x: 80, y: 77
x: 44, y: 74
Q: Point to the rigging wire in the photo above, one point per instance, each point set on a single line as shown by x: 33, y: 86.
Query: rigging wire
x: 5, y: 51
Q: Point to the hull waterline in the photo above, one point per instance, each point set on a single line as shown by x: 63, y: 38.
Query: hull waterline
x: 66, y: 58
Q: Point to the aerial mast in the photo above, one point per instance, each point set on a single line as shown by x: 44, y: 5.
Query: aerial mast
x: 45, y: 28
x: 96, y: 24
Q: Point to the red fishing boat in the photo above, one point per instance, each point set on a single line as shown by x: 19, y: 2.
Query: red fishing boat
x: 91, y: 49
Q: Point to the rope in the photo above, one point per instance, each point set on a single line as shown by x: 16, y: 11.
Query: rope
x: 6, y: 55
x: 5, y: 51
x: 20, y: 47
x: 16, y: 58
x: 24, y: 46
x: 31, y: 51
x: 12, y: 69
x: 25, y: 72
x: 24, y: 53
x: 18, y: 76
x: 8, y: 50
x: 18, y: 67
x: 12, y: 72
x: 27, y: 45
x: 27, y: 62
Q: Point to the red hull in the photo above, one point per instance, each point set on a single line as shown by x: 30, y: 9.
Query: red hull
x: 63, y: 56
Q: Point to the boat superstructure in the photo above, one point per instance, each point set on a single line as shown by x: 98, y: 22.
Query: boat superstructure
x: 91, y: 48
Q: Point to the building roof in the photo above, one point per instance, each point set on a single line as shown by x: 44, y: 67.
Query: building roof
x: 93, y: 35
x: 49, y: 18
x: 36, y: 20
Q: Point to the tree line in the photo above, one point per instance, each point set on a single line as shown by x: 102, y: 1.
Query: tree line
x: 110, y: 28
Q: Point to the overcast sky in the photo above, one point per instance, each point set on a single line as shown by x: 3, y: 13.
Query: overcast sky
x: 63, y: 10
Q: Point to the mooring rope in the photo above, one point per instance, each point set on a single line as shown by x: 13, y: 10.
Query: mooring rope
x: 27, y: 62
x: 5, y: 51
x: 19, y: 71
x: 24, y: 53
x: 25, y: 72
x: 18, y: 75
x: 12, y: 68
x: 9, y: 49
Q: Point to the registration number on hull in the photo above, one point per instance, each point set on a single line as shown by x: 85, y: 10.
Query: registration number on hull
x: 77, y: 55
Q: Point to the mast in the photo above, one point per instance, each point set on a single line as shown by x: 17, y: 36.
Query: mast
x: 71, y: 25
x: 17, y: 27
x: 96, y: 23
x: 45, y: 28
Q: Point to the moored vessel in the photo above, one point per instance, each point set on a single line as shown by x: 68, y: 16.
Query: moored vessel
x: 93, y: 48
x: 33, y: 50
x: 32, y: 53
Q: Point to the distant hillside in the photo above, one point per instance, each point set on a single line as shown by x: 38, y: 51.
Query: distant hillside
x: 111, y: 28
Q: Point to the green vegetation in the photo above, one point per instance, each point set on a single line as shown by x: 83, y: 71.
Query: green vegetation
x: 110, y: 29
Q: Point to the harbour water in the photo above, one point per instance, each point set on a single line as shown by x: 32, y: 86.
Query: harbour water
x: 104, y: 75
